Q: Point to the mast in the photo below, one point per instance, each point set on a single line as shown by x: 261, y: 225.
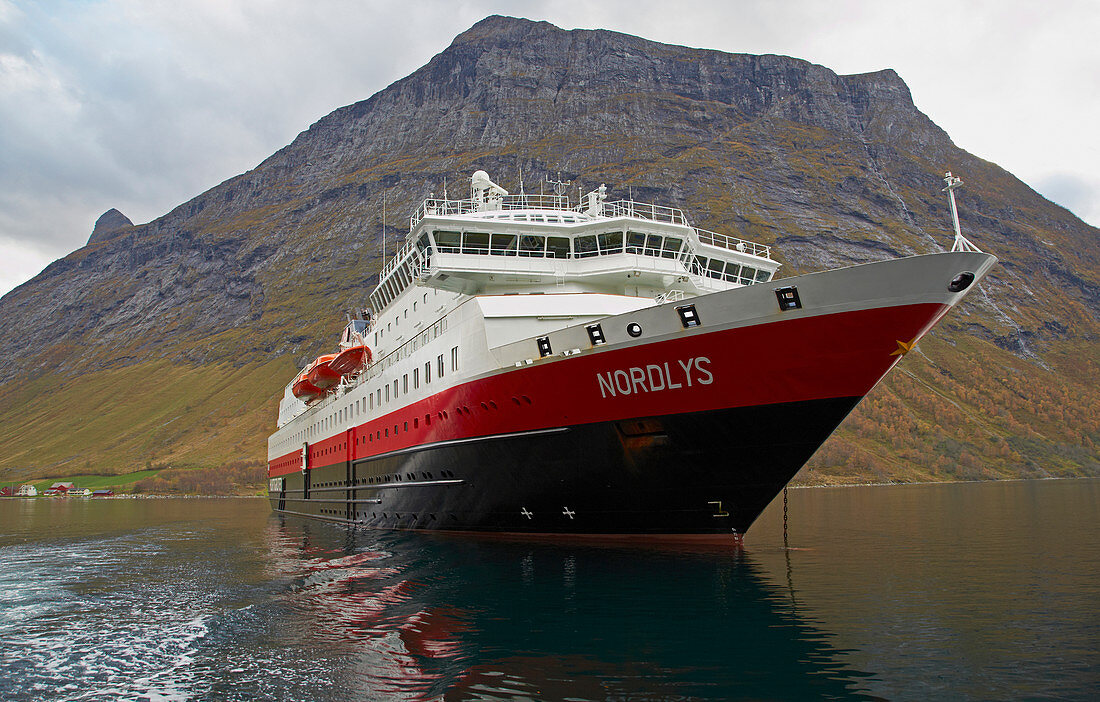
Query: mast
x: 961, y: 243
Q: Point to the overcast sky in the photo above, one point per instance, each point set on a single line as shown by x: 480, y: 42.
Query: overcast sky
x: 143, y: 104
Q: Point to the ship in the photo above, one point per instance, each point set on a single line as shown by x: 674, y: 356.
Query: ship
x: 530, y: 365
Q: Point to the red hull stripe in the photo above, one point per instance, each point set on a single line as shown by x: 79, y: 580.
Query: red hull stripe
x: 807, y: 358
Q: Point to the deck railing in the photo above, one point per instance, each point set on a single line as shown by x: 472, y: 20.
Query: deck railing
x: 433, y: 207
x: 733, y: 243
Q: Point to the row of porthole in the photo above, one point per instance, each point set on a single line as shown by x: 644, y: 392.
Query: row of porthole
x: 442, y: 414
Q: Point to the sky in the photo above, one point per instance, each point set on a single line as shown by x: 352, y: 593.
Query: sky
x: 141, y: 105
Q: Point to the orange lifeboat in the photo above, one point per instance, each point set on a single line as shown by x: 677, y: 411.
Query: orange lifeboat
x: 321, y: 374
x: 304, y: 390
x: 351, y: 359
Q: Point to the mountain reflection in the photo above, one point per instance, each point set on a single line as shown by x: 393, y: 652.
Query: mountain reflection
x: 420, y: 616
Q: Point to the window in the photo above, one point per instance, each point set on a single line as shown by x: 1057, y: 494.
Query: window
x: 595, y: 334
x: 504, y: 244
x: 405, y: 384
x: 475, y: 243
x: 454, y: 359
x: 395, y: 388
x: 557, y: 246
x: 416, y: 378
x: 611, y: 243
x: 439, y: 362
x: 428, y: 372
x: 530, y: 245
x: 585, y: 246
x: 635, y: 242
x: 448, y: 242
x: 672, y: 247
x: 388, y: 391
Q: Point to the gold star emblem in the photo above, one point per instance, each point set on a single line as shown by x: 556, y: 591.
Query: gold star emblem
x: 904, y: 348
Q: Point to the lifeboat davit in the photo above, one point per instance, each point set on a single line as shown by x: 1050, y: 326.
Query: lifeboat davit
x: 304, y: 390
x: 321, y: 374
x: 351, y: 359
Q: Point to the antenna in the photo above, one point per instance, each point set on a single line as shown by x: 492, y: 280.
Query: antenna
x: 961, y: 243
x: 560, y: 186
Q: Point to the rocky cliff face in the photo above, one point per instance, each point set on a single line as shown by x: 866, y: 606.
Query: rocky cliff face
x: 830, y: 169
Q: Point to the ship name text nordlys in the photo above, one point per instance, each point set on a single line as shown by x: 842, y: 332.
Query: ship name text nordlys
x: 654, y: 378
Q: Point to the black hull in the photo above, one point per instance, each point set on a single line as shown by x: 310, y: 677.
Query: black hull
x: 704, y: 473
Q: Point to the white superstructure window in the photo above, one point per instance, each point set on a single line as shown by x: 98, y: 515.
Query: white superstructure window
x: 454, y: 359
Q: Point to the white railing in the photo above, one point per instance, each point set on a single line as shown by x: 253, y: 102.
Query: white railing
x: 733, y: 243
x: 639, y: 210
x: 433, y: 207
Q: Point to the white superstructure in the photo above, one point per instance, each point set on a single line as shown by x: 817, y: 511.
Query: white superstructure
x: 478, y: 274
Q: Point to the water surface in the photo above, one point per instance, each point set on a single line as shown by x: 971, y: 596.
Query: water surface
x: 972, y: 591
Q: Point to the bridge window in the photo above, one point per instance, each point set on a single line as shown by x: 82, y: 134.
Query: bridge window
x: 611, y: 243
x: 585, y: 246
x: 747, y: 275
x: 763, y: 276
x: 504, y: 244
x: 672, y: 247
x: 635, y: 242
x: 557, y: 246
x: 653, y: 245
x: 531, y: 245
x: 448, y: 242
x: 475, y: 243
x: 732, y: 270
x: 714, y: 268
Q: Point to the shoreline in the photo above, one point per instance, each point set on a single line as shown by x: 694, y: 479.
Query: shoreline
x: 152, y: 496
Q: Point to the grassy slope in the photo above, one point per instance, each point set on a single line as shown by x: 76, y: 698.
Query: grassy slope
x: 114, y: 421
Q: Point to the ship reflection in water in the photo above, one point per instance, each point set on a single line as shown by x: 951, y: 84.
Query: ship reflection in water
x: 413, y: 616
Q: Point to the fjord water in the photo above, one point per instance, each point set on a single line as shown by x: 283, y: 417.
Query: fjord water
x: 970, y: 591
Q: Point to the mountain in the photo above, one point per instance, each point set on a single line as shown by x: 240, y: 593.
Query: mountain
x: 168, y: 343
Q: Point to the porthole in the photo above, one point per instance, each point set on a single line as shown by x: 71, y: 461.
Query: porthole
x: 961, y: 282
x: 634, y: 329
